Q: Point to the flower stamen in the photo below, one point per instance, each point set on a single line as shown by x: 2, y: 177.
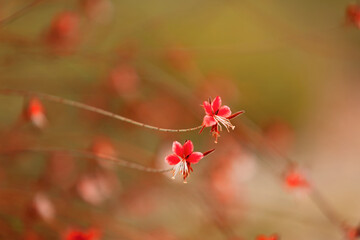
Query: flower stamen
x: 224, y: 121
x: 181, y: 167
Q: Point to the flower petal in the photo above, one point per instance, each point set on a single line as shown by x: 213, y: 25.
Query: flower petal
x: 195, y: 157
x: 188, y: 148
x: 235, y: 114
x: 172, y: 159
x: 209, y: 121
x: 207, y: 107
x: 224, y: 111
x: 208, y: 152
x: 178, y: 149
x: 216, y: 104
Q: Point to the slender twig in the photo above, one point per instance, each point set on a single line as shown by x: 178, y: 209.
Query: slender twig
x: 89, y: 108
x: 101, y: 157
x: 325, y: 208
x: 19, y: 13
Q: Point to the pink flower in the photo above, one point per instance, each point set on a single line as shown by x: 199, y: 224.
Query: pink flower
x: 183, y: 157
x: 44, y: 207
x: 217, y: 116
x: 95, y: 189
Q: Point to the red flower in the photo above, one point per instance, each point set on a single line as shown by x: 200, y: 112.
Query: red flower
x: 91, y: 234
x: 35, y: 113
x: 64, y: 30
x: 272, y: 237
x: 294, y: 179
x: 352, y: 233
x: 183, y: 157
x: 353, y: 14
x: 217, y: 116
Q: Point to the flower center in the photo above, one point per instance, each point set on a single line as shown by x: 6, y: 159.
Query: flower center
x: 181, y: 167
x: 225, y: 122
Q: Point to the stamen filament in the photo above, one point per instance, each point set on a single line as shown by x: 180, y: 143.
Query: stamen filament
x: 225, y: 122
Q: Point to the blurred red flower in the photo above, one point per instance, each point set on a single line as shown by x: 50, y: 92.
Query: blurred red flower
x: 353, y: 15
x: 64, y: 31
x: 263, y: 237
x: 35, y: 113
x: 74, y: 234
x: 295, y: 179
x: 352, y: 233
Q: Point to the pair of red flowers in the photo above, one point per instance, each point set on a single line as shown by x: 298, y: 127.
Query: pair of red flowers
x: 216, y: 117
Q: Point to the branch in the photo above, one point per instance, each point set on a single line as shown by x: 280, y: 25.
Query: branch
x: 80, y: 105
x: 101, y: 157
x: 19, y: 13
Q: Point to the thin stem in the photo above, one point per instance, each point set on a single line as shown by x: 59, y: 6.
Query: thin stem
x: 101, y: 157
x: 325, y: 208
x: 19, y: 13
x: 90, y: 108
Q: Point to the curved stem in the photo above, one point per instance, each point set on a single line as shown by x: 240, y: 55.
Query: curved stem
x: 90, y: 108
x: 101, y: 157
x: 18, y: 13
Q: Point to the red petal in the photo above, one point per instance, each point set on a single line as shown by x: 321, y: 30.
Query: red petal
x: 208, y: 152
x: 188, y: 148
x: 207, y: 108
x: 172, y: 159
x: 216, y: 104
x: 224, y: 111
x: 209, y: 121
x: 178, y: 149
x: 195, y: 157
x: 235, y: 115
